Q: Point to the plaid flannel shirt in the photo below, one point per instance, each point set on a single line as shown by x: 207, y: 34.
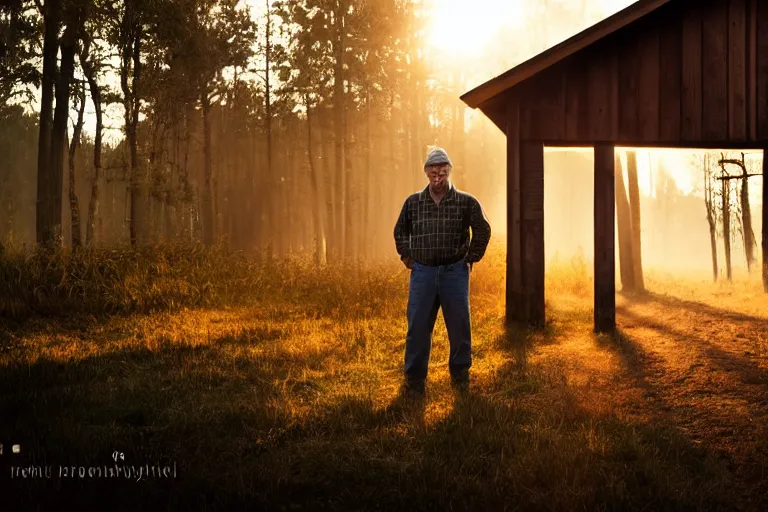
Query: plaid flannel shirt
x: 435, y: 234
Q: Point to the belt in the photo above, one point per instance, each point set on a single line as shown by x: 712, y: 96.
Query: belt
x: 443, y: 262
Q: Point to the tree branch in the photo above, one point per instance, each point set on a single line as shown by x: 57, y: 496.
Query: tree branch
x: 727, y: 178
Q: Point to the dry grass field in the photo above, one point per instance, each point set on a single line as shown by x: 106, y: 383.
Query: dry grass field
x: 276, y: 388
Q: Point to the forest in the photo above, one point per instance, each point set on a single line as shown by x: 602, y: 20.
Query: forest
x: 297, y: 129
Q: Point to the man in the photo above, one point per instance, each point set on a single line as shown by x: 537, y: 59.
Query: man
x: 432, y: 238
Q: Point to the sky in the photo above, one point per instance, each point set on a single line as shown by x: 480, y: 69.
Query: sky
x: 471, y: 25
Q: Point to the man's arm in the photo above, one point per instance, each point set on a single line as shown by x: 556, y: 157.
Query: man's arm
x: 403, y: 233
x: 481, y: 233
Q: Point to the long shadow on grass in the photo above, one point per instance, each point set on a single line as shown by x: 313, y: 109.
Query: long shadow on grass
x: 209, y: 411
x: 749, y: 371
x: 640, y: 365
x: 531, y: 450
x: 222, y: 419
x: 522, y: 442
x: 694, y: 307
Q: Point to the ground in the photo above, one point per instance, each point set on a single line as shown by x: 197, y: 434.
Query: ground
x: 292, y: 402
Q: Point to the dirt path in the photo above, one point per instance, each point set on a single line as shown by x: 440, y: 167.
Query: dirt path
x: 709, y: 372
x: 698, y: 366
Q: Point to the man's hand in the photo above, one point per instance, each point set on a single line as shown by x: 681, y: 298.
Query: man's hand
x: 408, y: 261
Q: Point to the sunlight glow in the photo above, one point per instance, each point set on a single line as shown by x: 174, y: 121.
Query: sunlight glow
x: 465, y: 27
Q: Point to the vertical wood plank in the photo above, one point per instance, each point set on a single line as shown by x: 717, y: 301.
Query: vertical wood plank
x: 514, y: 285
x: 714, y: 67
x: 671, y: 77
x: 542, y: 115
x: 586, y: 61
x: 554, y: 101
x: 762, y: 71
x: 648, y: 85
x: 605, y: 258
x: 599, y: 95
x: 572, y: 101
x: 737, y: 70
x: 629, y: 66
x: 692, y: 78
x: 532, y: 229
x: 615, y: 94
x: 529, y: 113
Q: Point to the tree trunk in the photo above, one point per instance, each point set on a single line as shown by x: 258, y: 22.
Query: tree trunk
x: 339, y: 132
x: 130, y: 66
x: 709, y: 203
x: 208, y: 220
x: 254, y: 206
x: 746, y: 219
x: 457, y: 133
x: 317, y: 199
x: 271, y: 220
x: 329, y: 186
x: 74, y: 204
x: 366, y: 241
x: 93, y: 204
x: 186, y: 188
x: 48, y: 210
x: 727, y: 226
x: 713, y: 246
x: 623, y: 217
x: 351, y: 193
x: 634, y: 206
x: 414, y: 167
x: 61, y: 112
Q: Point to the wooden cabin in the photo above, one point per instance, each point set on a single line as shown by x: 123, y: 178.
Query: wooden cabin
x: 660, y: 73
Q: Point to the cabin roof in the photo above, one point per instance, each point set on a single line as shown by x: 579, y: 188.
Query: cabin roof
x: 555, y: 54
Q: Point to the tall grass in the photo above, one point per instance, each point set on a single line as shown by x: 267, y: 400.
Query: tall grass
x: 168, y: 277
x: 573, y: 276
x: 110, y: 281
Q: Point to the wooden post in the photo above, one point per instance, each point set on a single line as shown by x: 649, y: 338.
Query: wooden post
x: 532, y: 229
x: 605, y: 259
x: 765, y: 218
x: 514, y: 286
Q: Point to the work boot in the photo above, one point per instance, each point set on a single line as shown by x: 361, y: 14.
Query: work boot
x: 414, y: 388
x: 460, y: 380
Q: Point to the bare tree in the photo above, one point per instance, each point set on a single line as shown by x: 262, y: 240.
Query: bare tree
x: 709, y: 181
x: 748, y: 235
x: 89, y: 70
x: 625, y: 229
x: 634, y: 206
x: 725, y: 179
x: 74, y: 203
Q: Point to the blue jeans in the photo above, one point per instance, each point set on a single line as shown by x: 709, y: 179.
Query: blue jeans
x: 430, y: 288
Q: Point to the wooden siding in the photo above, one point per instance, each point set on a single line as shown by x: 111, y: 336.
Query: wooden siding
x: 689, y: 73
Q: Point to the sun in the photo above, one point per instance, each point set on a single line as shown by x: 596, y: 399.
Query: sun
x: 465, y: 27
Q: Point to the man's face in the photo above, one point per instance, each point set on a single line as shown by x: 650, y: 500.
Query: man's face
x: 438, y: 175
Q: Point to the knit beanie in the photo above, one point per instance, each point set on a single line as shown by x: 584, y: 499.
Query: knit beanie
x: 438, y: 156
